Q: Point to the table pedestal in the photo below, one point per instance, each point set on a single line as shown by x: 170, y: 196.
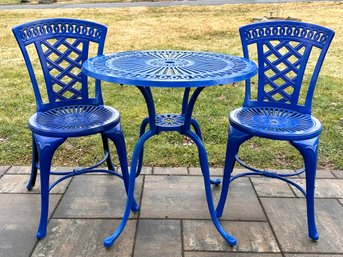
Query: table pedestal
x: 182, y: 124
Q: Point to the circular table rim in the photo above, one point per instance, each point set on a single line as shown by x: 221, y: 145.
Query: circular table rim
x: 180, y: 83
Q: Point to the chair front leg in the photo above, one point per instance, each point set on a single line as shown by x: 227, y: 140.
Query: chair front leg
x: 35, y: 161
x: 309, y: 151
x: 46, y: 147
x: 235, y: 139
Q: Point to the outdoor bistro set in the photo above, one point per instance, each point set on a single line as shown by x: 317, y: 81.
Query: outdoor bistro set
x: 280, y: 110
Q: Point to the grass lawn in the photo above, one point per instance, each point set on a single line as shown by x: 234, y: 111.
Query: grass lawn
x: 211, y: 28
x: 5, y: 2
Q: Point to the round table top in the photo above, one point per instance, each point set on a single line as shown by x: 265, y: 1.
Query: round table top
x: 169, y: 68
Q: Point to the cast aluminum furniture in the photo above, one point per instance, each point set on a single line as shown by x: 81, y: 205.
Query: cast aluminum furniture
x: 68, y: 110
x: 281, y: 109
x: 170, y: 69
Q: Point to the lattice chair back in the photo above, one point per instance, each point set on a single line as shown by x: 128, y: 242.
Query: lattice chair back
x: 283, y: 51
x: 62, y: 46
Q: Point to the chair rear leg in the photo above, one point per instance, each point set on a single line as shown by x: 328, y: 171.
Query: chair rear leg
x: 236, y: 138
x: 35, y: 160
x: 117, y: 136
x: 309, y: 151
x: 46, y: 147
x: 109, y: 162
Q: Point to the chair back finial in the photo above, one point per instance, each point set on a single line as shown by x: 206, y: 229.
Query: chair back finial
x: 62, y: 46
x: 284, y: 49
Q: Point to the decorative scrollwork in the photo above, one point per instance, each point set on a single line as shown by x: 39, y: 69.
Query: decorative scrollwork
x: 282, y: 63
x: 75, y: 117
x: 284, y: 48
x: 168, y: 65
x: 169, y: 120
x: 60, y: 26
x: 64, y: 58
x: 292, y: 29
x: 275, y: 120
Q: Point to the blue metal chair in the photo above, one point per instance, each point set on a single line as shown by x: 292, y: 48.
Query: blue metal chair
x: 62, y: 45
x: 281, y: 109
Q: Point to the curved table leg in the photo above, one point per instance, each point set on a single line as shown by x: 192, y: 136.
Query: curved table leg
x: 108, y: 242
x: 196, y: 128
x: 144, y: 124
x: 117, y: 136
x: 207, y: 182
x: 215, y: 181
x: 187, y: 109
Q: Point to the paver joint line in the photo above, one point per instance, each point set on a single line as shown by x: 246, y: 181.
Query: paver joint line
x: 188, y: 227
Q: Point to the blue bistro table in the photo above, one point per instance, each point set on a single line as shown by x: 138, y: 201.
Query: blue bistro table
x: 169, y: 69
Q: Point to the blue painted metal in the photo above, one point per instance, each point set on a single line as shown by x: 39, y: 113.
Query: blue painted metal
x: 277, y: 112
x: 168, y: 68
x: 172, y: 69
x: 62, y: 46
x: 273, y: 122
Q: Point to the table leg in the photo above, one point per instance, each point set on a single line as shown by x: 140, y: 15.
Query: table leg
x: 144, y: 124
x: 183, y: 128
x: 188, y: 110
x: 137, y: 159
x: 196, y: 128
x: 108, y: 242
x: 207, y: 182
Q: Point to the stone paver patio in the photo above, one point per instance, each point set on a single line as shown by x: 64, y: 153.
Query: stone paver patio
x: 267, y: 216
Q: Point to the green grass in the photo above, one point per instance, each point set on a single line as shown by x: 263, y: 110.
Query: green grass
x: 5, y: 2
x: 212, y: 28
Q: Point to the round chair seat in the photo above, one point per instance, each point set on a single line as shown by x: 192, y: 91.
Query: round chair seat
x: 275, y: 123
x: 75, y: 120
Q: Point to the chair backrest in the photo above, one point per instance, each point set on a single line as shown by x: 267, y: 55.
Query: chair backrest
x: 62, y: 46
x: 283, y: 51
